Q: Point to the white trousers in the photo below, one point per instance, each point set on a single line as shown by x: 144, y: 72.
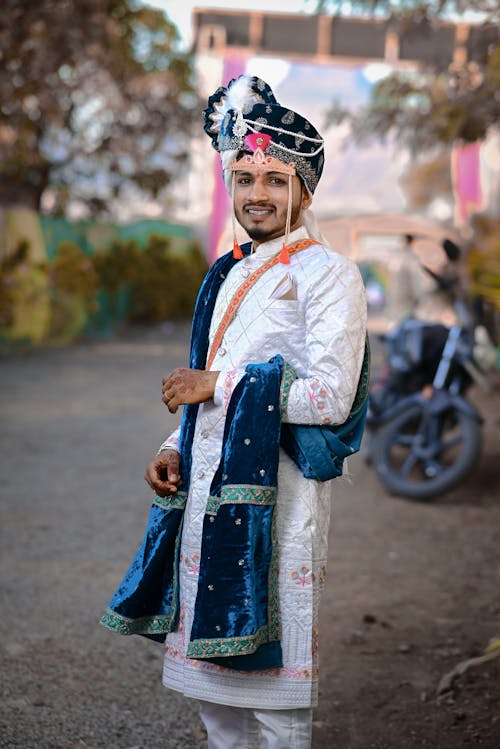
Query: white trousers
x: 245, y: 728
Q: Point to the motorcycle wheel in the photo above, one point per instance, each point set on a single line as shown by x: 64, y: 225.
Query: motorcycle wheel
x: 420, y: 455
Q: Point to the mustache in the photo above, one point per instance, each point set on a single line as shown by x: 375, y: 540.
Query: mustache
x: 248, y: 206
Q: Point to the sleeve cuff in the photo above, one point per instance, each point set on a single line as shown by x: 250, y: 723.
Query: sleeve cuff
x: 219, y: 388
x: 172, y: 442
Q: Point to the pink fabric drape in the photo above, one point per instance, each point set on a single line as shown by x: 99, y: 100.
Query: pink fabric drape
x: 466, y: 180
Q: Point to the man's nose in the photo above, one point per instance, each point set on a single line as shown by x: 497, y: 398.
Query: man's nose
x: 258, y: 189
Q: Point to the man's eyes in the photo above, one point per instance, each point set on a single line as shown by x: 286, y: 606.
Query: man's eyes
x: 249, y: 180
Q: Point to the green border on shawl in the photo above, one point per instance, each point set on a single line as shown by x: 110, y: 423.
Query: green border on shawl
x: 156, y: 624
x: 212, y: 505
x: 248, y: 494
x: 172, y: 501
x: 289, y: 375
x: 273, y: 605
x: 228, y: 646
x: 241, y: 494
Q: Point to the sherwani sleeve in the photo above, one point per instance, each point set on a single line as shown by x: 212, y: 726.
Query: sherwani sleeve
x: 226, y: 382
x: 335, y: 332
x: 172, y: 442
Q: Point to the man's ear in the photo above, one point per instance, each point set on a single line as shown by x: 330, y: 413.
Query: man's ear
x: 306, y: 198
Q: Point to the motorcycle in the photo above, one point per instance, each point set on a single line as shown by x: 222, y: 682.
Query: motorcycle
x: 423, y: 436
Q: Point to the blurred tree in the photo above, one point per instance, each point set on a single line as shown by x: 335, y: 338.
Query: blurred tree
x: 427, y: 179
x: 94, y: 97
x: 430, y: 107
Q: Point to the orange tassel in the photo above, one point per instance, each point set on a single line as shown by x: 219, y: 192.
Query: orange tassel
x: 284, y: 256
x: 237, y: 252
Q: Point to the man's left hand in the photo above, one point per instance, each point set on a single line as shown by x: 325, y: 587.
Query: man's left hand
x: 188, y: 386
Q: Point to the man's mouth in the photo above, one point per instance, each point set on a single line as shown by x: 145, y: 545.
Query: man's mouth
x: 259, y: 212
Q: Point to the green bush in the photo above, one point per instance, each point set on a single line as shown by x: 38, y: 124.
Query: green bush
x: 164, y: 285
x: 77, y: 292
x: 8, y: 271
x: 116, y: 266
x: 73, y: 286
x: 24, y: 299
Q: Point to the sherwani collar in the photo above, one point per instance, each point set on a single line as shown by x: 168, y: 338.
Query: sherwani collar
x: 273, y: 247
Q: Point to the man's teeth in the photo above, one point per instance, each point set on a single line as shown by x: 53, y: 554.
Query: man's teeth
x: 256, y: 212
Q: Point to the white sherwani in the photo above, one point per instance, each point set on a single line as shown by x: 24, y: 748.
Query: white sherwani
x: 313, y: 313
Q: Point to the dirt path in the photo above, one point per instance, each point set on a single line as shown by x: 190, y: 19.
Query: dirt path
x: 412, y: 589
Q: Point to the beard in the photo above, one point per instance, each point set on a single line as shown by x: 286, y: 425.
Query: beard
x: 261, y: 233
x: 257, y: 233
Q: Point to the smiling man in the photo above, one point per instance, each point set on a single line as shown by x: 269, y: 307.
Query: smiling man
x: 261, y: 203
x: 230, y: 571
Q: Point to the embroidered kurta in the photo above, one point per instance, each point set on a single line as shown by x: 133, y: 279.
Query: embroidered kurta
x: 313, y: 313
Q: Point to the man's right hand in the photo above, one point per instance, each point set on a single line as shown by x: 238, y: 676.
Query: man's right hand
x: 163, y: 473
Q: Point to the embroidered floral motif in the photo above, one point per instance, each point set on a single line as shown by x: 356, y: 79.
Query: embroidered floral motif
x: 319, y: 397
x: 288, y: 117
x: 303, y: 576
x: 260, y: 122
x: 228, y: 387
x: 299, y: 139
x: 192, y: 563
x: 289, y: 672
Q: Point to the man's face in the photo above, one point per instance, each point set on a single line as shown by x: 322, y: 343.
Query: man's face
x: 261, y: 203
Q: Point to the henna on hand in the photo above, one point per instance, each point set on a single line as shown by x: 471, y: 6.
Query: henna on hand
x: 183, y: 386
x: 163, y: 473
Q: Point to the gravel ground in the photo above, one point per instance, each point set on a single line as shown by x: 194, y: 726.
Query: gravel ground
x: 412, y: 588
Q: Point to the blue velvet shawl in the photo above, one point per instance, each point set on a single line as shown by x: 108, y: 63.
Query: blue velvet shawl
x: 236, y: 619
